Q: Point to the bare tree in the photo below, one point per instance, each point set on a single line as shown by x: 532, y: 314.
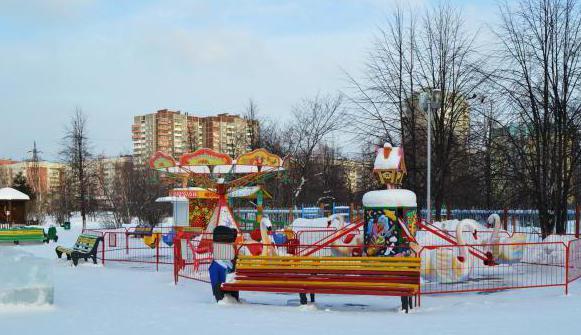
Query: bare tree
x: 252, y: 115
x: 314, y: 120
x: 540, y: 79
x: 437, y: 57
x: 77, y: 155
x: 62, y: 203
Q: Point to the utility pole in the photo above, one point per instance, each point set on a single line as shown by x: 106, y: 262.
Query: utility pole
x: 35, y: 177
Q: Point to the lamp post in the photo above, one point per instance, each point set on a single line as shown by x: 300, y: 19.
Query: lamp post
x: 426, y: 103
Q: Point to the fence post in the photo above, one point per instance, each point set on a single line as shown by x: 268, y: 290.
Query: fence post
x: 291, y: 214
x: 126, y: 243
x: 567, y: 246
x: 351, y: 214
x: 505, y: 219
x: 157, y: 253
x: 103, y: 249
x: 577, y: 215
x: 513, y: 221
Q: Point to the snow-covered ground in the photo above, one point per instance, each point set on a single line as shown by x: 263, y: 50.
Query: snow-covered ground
x: 130, y: 299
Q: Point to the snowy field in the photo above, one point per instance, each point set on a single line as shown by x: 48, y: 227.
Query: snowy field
x: 132, y: 299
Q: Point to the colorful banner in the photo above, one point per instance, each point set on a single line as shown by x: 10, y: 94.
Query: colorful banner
x: 193, y: 194
x: 383, y: 234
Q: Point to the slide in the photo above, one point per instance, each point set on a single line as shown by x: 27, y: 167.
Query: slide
x: 327, y: 241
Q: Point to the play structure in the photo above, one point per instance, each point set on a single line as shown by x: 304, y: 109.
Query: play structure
x: 215, y: 176
x: 204, y: 237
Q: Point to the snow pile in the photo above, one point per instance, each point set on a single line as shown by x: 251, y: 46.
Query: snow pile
x: 390, y: 198
x: 554, y: 251
x: 24, y: 278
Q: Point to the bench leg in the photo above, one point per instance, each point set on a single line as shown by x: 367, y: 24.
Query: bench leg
x: 312, y: 297
x: 75, y: 259
x: 59, y: 253
x: 405, y: 304
x: 94, y: 257
x: 303, y: 298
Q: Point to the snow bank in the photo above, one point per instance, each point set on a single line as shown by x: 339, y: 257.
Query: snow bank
x: 390, y: 198
x: 24, y: 278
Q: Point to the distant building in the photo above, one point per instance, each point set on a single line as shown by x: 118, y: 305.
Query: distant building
x: 355, y: 172
x: 175, y: 133
x: 456, y: 114
x: 47, y: 179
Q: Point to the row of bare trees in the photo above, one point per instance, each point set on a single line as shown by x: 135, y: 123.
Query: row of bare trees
x: 505, y: 116
x: 123, y: 192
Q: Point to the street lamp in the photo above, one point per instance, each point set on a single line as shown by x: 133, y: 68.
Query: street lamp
x: 426, y: 99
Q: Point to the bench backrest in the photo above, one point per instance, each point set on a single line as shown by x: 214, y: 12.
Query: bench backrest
x: 86, y: 243
x: 404, y: 268
x: 22, y: 234
x: 142, y: 230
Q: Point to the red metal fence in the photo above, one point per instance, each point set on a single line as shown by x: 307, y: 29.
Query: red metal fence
x: 573, y: 260
x: 445, y: 268
x: 453, y: 269
x: 121, y: 245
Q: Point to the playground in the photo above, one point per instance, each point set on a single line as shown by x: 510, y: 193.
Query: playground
x: 118, y: 298
x: 305, y: 269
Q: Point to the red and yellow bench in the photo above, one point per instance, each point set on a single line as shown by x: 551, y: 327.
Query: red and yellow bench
x: 381, y: 276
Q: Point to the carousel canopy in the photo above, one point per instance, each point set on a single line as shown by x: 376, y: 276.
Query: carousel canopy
x: 206, y: 161
x: 8, y: 193
x: 248, y: 192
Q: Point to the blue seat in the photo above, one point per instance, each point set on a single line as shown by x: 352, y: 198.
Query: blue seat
x: 168, y: 238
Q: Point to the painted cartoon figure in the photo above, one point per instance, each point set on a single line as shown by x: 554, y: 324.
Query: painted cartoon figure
x: 382, y: 234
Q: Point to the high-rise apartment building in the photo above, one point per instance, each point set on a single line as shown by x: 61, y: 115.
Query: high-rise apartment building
x: 175, y: 133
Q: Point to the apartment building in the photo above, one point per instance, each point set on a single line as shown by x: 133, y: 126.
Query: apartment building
x: 175, y: 133
x: 44, y: 177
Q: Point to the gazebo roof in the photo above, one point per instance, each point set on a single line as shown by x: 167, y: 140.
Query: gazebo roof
x: 8, y: 193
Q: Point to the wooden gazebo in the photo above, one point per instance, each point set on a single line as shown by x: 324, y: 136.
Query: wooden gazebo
x: 12, y: 206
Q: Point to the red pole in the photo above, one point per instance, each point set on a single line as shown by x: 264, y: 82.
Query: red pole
x: 577, y: 216
x: 567, y: 268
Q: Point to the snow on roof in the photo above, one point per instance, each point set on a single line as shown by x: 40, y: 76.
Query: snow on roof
x: 390, y: 198
x: 172, y: 199
x: 392, y: 161
x: 8, y: 193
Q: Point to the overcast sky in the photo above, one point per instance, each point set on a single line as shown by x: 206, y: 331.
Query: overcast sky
x: 116, y: 59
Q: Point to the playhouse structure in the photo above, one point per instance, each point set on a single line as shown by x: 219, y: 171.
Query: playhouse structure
x: 390, y: 214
